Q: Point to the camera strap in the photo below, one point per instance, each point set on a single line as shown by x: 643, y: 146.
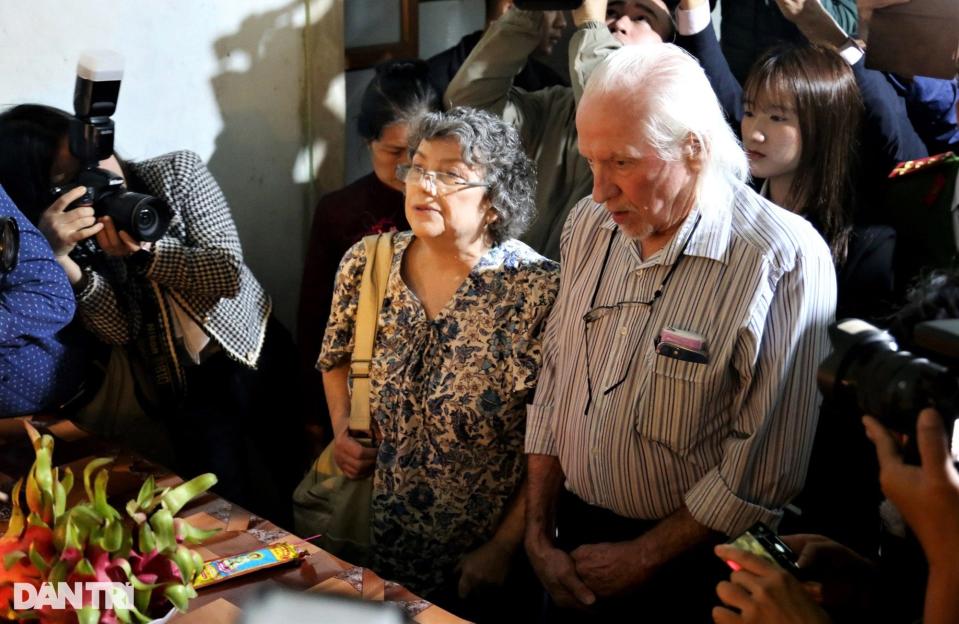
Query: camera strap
x: 161, y: 375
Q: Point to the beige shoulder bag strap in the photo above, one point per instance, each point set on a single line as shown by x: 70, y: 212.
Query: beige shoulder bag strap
x: 379, y: 258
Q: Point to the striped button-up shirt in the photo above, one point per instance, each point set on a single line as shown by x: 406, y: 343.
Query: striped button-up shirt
x: 729, y: 438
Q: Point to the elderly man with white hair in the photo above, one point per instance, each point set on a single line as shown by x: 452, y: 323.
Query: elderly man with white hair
x: 677, y: 401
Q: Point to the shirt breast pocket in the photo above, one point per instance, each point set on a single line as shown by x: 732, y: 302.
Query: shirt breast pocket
x: 674, y: 409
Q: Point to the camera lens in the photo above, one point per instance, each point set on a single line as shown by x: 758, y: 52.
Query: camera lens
x: 143, y: 217
x: 149, y: 218
x: 9, y: 244
x: 867, y: 374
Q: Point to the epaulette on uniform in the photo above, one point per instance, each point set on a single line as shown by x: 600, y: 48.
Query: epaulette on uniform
x: 912, y: 166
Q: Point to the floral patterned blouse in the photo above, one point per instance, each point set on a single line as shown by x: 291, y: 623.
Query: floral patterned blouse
x: 449, y: 397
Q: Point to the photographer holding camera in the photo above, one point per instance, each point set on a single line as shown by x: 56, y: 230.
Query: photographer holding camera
x: 205, y: 354
x: 917, y: 475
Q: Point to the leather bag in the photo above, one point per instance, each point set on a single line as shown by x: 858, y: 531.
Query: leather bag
x: 327, y: 502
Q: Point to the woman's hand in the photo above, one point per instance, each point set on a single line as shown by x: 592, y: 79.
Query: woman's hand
x: 355, y: 460
x: 791, y: 9
x: 812, y: 19
x: 763, y: 592
x: 845, y: 579
x: 927, y: 496
x: 487, y: 565
x: 589, y: 10
x: 64, y: 228
x: 115, y: 242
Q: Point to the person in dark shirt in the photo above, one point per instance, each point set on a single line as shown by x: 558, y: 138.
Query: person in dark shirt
x: 399, y: 91
x: 749, y: 27
x: 534, y: 76
x: 38, y: 369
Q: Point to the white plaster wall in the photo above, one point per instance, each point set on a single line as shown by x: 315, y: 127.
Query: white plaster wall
x: 442, y: 23
x: 243, y: 83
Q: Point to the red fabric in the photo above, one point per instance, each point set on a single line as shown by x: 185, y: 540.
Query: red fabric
x: 340, y: 220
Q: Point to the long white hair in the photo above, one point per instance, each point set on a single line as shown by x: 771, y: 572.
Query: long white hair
x: 679, y: 105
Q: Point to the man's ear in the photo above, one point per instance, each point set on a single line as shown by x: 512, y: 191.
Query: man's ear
x: 693, y: 152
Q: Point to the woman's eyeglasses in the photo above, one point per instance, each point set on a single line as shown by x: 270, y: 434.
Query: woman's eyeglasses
x: 437, y: 181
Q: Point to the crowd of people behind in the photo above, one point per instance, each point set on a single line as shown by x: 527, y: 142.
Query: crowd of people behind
x: 595, y: 361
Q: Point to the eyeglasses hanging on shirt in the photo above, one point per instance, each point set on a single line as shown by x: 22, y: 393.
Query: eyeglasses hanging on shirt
x: 596, y: 312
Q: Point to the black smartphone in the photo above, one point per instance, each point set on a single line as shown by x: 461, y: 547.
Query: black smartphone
x: 763, y: 542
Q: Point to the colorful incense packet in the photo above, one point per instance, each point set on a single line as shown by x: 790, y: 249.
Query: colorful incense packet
x: 220, y: 570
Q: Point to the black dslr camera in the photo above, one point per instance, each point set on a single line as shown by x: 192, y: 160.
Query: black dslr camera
x: 9, y: 244
x: 143, y: 217
x: 547, y: 5
x: 867, y: 373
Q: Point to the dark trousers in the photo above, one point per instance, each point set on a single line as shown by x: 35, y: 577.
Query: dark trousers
x: 244, y: 426
x: 681, y: 591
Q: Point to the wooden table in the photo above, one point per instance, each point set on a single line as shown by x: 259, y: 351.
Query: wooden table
x: 240, y: 531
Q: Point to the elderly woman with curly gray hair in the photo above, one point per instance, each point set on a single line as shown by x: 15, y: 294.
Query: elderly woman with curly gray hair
x: 456, y: 356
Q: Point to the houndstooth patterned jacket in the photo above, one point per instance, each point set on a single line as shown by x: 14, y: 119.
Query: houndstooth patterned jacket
x: 198, y: 262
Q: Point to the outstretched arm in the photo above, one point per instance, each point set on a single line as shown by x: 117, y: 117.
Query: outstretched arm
x: 205, y: 257
x: 697, y: 36
x: 486, y: 78
x: 591, y: 43
x: 888, y: 131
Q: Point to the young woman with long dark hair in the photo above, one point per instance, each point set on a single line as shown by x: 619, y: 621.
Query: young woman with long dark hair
x: 820, y: 142
x: 205, y: 354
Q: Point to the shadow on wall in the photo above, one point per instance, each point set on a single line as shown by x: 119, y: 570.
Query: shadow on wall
x: 257, y: 153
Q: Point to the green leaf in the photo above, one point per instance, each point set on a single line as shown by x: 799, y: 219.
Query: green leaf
x: 36, y: 494
x: 133, y: 510
x: 59, y: 499
x: 88, y: 615
x: 16, y: 523
x: 35, y: 520
x: 127, y: 544
x: 179, y: 595
x: 138, y: 585
x: 175, y: 499
x: 141, y: 597
x: 84, y: 567
x: 100, y: 503
x: 91, y: 466
x: 198, y: 562
x: 188, y: 533
x: 33, y: 434
x: 133, y: 614
x: 145, y: 497
x: 113, y: 536
x: 37, y: 559
x: 71, y: 537
x: 58, y: 573
x: 61, y: 490
x: 183, y: 558
x: 81, y: 521
x: 67, y: 480
x: 11, y: 558
x: 42, y: 469
x: 147, y: 541
x: 162, y: 523
x: 85, y: 515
